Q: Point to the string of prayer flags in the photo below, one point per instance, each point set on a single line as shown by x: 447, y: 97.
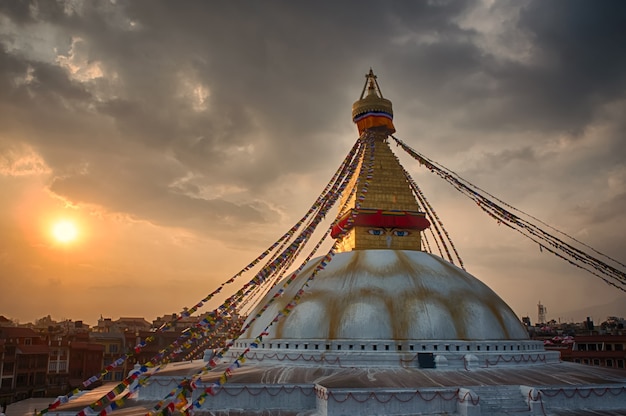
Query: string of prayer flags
x: 531, y: 227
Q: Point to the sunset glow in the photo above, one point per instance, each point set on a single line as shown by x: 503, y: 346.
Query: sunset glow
x: 147, y: 159
x: 65, y: 231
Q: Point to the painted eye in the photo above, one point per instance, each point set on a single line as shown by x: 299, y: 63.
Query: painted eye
x: 400, y: 233
x: 375, y: 231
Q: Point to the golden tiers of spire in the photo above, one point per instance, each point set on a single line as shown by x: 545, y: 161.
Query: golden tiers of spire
x: 388, y: 194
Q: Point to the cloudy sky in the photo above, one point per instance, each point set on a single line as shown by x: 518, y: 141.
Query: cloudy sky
x: 183, y: 138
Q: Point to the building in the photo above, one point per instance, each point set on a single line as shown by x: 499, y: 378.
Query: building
x: 24, y: 363
x: 59, y: 366
x: 603, y: 350
x: 114, y: 345
x: 34, y: 364
x: 378, y: 326
x: 123, y: 324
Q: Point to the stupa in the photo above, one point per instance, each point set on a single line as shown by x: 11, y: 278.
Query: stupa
x: 386, y: 328
x: 383, y: 327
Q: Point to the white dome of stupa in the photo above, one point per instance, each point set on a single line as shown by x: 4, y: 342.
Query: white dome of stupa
x: 389, y: 294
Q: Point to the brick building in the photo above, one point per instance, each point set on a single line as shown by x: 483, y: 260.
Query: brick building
x: 23, y: 363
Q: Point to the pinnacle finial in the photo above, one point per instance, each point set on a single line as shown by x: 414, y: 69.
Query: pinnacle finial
x: 372, y: 110
x: 371, y: 85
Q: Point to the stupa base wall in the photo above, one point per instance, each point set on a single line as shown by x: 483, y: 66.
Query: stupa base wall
x: 483, y: 386
x: 318, y: 400
x: 334, y: 402
x: 607, y: 397
x: 260, y: 399
x: 443, y: 355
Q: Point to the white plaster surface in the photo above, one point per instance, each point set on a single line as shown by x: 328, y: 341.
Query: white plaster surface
x: 389, y: 294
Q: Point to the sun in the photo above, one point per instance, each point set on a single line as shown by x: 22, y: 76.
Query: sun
x: 65, y: 231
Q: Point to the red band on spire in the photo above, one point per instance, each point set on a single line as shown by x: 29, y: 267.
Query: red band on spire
x: 410, y: 220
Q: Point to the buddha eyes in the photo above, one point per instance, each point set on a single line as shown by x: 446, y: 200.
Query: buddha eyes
x: 396, y: 233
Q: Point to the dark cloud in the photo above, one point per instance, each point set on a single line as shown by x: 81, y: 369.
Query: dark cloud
x: 578, y: 62
x: 18, y: 11
x: 207, y: 115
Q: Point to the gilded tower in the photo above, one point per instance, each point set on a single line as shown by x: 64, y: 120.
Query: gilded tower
x: 387, y: 215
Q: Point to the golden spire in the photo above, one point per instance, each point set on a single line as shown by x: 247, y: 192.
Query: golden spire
x: 388, y: 215
x: 372, y: 110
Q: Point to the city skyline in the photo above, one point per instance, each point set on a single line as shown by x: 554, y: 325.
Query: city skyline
x: 179, y: 141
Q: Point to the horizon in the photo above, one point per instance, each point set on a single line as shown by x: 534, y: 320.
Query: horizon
x: 549, y: 318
